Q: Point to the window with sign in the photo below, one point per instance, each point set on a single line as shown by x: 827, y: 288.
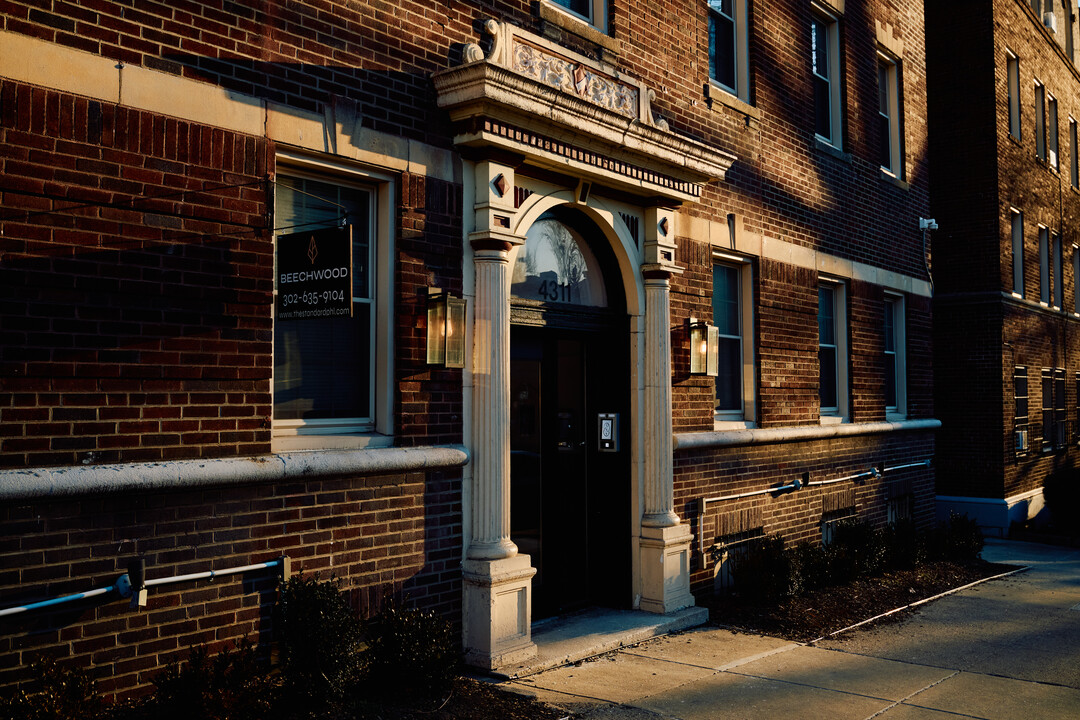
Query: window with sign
x: 324, y: 286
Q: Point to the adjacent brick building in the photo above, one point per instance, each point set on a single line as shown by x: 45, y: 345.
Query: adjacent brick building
x: 1006, y: 195
x: 589, y: 177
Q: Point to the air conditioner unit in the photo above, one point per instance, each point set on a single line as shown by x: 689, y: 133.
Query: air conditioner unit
x: 1021, y: 440
x: 1050, y: 21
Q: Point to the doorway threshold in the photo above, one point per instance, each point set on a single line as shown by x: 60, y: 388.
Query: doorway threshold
x: 583, y: 634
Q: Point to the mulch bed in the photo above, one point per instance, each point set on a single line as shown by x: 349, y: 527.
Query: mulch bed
x: 821, y: 612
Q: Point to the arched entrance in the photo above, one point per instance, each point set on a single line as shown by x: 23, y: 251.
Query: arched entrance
x: 569, y: 401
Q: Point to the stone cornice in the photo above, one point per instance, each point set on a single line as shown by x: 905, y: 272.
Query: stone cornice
x: 576, y: 115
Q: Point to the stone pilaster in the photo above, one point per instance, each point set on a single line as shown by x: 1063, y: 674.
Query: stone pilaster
x: 664, y: 546
x: 497, y: 580
x: 659, y: 510
x: 491, y: 406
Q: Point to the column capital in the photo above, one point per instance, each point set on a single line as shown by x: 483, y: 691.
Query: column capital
x: 656, y: 271
x: 495, y: 240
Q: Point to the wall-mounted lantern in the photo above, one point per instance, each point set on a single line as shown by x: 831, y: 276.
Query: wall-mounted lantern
x: 445, y: 329
x: 704, y: 348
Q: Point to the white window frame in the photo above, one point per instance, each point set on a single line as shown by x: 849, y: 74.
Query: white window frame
x: 597, y: 16
x: 831, y: 24
x: 1052, y: 131
x: 1012, y: 70
x: 1040, y: 120
x: 747, y: 414
x: 377, y: 430
x: 740, y: 18
x: 839, y: 412
x: 1045, y: 281
x: 892, y: 113
x: 894, y: 303
x: 1017, y: 226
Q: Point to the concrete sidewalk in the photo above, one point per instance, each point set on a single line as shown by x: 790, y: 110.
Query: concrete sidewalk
x: 1008, y: 648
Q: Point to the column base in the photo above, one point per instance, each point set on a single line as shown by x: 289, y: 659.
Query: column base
x: 498, y: 611
x: 665, y: 568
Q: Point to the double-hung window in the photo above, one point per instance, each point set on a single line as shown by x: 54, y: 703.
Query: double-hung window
x: 889, y: 115
x: 1052, y: 131
x: 728, y: 46
x: 1045, y: 280
x: 1017, y: 219
x: 593, y: 12
x: 1040, y: 120
x: 1020, y: 414
x: 825, y: 67
x: 329, y: 317
x: 1012, y: 67
x: 1074, y: 156
x: 731, y: 301
x: 832, y: 351
x: 1054, y: 427
x: 1059, y: 275
x: 895, y: 357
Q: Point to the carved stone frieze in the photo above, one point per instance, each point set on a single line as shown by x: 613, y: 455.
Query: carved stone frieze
x: 575, y: 77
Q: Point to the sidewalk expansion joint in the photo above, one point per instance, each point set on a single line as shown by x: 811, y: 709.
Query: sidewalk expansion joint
x: 905, y: 699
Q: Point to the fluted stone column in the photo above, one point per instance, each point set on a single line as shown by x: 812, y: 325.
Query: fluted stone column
x: 659, y: 510
x: 665, y: 541
x: 491, y: 405
x: 497, y: 579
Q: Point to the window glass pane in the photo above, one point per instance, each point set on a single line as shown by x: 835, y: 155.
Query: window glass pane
x: 722, y: 42
x: 827, y: 351
x: 729, y: 379
x: 890, y: 380
x: 1018, y: 253
x: 1052, y: 132
x: 727, y: 318
x: 819, y: 60
x: 726, y: 299
x: 1044, y: 266
x: 1040, y: 121
x: 322, y: 365
x: 1074, y: 171
x: 581, y: 7
x: 1013, y: 67
x: 826, y: 317
x: 827, y: 364
x: 557, y: 266
x: 1059, y: 283
x: 890, y: 331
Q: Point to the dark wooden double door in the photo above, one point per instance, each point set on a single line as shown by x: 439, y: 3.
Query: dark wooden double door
x: 570, y: 501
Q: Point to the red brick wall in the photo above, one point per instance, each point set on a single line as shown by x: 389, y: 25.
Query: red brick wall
x: 980, y: 172
x: 136, y: 285
x: 377, y: 535
x: 797, y: 515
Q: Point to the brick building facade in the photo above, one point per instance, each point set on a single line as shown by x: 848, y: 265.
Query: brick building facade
x: 1007, y: 198
x: 588, y: 176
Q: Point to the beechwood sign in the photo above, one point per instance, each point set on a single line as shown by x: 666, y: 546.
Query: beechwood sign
x: 314, y: 274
